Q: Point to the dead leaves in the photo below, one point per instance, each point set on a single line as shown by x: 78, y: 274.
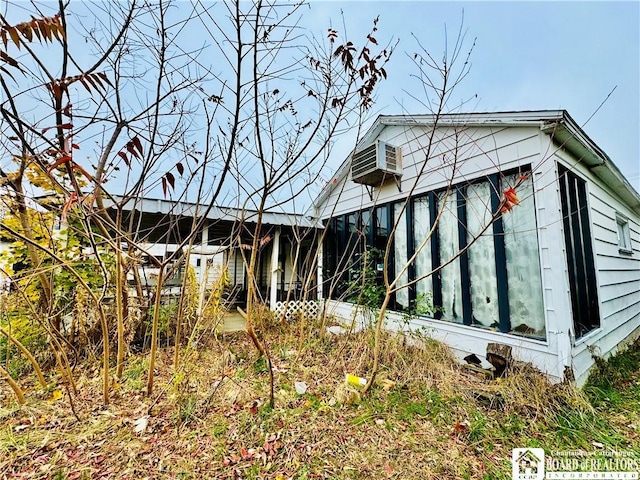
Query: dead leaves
x: 97, y: 82
x: 46, y: 30
x: 43, y: 29
x: 4, y: 57
x: 134, y: 148
x: 509, y: 200
x: 460, y: 428
x: 266, y: 453
x: 170, y: 180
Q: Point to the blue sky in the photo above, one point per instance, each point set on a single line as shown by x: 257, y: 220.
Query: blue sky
x: 528, y: 56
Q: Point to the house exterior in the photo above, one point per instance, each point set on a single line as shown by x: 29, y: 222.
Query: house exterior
x: 223, y: 242
x: 518, y: 230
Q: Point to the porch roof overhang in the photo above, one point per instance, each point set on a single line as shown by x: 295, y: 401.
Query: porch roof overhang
x: 215, y: 213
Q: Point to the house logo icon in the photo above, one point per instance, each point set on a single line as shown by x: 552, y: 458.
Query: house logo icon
x: 528, y: 463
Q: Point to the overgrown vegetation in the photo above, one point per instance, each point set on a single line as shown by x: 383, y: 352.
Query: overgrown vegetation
x: 90, y: 316
x: 426, y: 416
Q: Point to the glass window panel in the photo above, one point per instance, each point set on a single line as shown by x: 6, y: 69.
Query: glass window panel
x: 339, y: 278
x: 366, y: 225
x: 482, y: 264
x: 330, y: 258
x: 382, y: 229
x: 422, y: 245
x: 352, y: 255
x: 400, y: 239
x: 523, y: 266
x: 624, y: 234
x: 449, y: 249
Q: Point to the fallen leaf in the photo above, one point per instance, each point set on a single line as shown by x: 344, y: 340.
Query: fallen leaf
x: 461, y: 427
x: 55, y: 395
x: 301, y: 388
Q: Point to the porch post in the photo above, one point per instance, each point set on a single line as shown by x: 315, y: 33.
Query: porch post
x: 202, y: 271
x: 320, y: 281
x: 275, y: 253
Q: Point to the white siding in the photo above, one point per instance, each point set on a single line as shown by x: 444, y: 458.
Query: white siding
x: 462, y: 340
x: 475, y: 152
x: 470, y: 152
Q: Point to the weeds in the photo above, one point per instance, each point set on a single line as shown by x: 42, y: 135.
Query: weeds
x: 213, y: 419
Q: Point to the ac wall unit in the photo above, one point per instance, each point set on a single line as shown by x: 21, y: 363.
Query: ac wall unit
x: 376, y: 164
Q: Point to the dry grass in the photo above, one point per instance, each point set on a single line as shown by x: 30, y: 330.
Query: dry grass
x: 426, y: 418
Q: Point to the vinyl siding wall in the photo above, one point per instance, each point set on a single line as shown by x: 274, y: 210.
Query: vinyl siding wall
x: 472, y: 151
x: 476, y: 152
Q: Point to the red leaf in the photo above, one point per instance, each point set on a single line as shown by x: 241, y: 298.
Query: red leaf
x: 387, y: 469
x: 25, y: 29
x: 460, y: 427
x: 34, y: 27
x: 104, y: 77
x: 57, y: 163
x: 56, y: 30
x: 164, y: 186
x: 95, y: 80
x: 76, y: 146
x: 511, y: 196
x: 8, y: 59
x: 372, y: 40
x: 124, y: 157
x: 82, y: 171
x: 507, y: 207
x: 171, y: 179
x: 180, y: 168
x: 67, y: 110
x: 56, y: 90
x: 85, y: 83
x: 73, y: 198
x: 64, y: 126
x: 13, y: 33
x: 131, y: 149
x: 137, y: 144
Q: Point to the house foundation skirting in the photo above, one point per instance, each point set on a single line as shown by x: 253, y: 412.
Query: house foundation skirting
x: 462, y: 340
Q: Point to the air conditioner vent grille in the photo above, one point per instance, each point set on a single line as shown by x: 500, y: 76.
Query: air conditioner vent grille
x: 364, y: 160
x: 376, y: 164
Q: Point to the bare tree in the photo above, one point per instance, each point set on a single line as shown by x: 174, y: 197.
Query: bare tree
x: 247, y: 117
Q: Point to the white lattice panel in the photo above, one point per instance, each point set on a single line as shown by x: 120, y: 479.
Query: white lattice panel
x: 297, y: 309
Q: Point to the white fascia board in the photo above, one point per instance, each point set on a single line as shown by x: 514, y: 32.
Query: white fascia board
x: 567, y: 134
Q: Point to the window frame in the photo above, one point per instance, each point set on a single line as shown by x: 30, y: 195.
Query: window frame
x: 623, y: 231
x: 495, y: 181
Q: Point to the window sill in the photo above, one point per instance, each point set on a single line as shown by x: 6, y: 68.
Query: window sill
x: 625, y: 252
